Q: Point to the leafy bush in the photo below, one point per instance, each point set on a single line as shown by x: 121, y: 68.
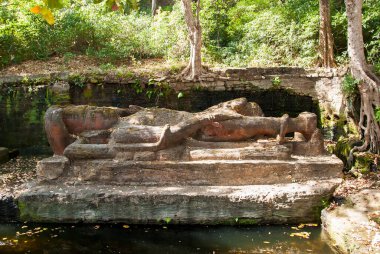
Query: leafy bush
x: 350, y: 86
x: 262, y: 32
x: 235, y: 32
x: 88, y: 29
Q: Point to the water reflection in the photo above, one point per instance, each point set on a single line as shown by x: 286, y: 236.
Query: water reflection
x: 23, y: 238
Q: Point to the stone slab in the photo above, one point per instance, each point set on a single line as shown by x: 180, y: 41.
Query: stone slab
x: 348, y: 227
x: 206, y: 172
x: 253, y: 204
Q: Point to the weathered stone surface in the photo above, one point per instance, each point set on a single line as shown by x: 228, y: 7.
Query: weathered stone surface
x: 207, y: 172
x: 248, y: 153
x: 144, y: 156
x: 88, y: 151
x: 171, y: 154
x: 315, y: 146
x: 282, y: 203
x: 51, y: 168
x: 348, y: 226
x: 4, y: 154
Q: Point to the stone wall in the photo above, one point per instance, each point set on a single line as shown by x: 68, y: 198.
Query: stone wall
x: 24, y: 100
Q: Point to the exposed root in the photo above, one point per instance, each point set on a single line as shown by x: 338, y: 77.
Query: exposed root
x: 189, y: 74
x: 369, y: 89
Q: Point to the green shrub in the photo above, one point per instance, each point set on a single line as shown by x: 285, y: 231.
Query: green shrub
x: 235, y: 32
x: 88, y: 29
x: 377, y: 114
x: 350, y: 86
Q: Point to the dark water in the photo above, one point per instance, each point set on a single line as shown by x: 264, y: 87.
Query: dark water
x: 159, y: 239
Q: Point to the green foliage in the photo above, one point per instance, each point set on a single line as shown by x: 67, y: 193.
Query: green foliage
x: 350, y: 86
x: 180, y: 95
x: 276, y: 82
x: 263, y: 32
x: 377, y: 114
x: 90, y: 29
x: 77, y: 80
x: 235, y: 32
x: 377, y: 68
x: 156, y: 90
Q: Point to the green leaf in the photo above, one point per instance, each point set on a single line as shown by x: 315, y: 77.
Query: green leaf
x: 97, y: 1
x: 54, y: 4
x: 180, y: 95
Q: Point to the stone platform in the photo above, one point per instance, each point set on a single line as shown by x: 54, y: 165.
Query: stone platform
x: 252, y: 204
x: 227, y: 164
x: 205, y: 172
x: 192, y: 192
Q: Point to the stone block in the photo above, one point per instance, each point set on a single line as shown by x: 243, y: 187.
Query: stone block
x: 206, y: 172
x: 171, y: 154
x: 51, y: 168
x: 276, y: 204
x: 144, y: 156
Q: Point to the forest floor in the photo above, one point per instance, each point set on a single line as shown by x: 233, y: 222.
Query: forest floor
x: 83, y: 64
x: 17, y: 172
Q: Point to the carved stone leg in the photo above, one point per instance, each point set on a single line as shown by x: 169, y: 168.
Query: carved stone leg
x: 284, y: 121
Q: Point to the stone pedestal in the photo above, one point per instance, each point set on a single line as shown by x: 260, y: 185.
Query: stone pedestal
x: 246, y: 204
x: 226, y: 164
x: 200, y: 192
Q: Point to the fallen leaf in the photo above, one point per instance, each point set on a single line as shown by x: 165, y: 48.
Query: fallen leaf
x: 304, y: 235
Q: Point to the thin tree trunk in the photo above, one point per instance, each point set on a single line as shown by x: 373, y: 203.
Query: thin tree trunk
x: 326, y: 41
x: 194, y: 68
x: 369, y: 85
x: 154, y: 7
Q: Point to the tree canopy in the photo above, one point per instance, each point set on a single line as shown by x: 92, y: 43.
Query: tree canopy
x: 234, y: 32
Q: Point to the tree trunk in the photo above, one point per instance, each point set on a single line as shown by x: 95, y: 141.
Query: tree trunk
x: 326, y: 41
x: 154, y: 7
x: 194, y: 68
x: 369, y: 84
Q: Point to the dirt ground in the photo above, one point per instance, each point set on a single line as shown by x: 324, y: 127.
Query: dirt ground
x: 16, y: 172
x: 82, y: 64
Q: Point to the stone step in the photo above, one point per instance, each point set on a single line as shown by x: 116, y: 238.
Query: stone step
x: 252, y: 204
x: 205, y: 172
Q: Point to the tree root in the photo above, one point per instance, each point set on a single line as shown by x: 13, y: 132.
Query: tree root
x: 187, y: 73
x: 369, y: 90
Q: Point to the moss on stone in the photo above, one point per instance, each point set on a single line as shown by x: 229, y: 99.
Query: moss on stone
x: 364, y: 161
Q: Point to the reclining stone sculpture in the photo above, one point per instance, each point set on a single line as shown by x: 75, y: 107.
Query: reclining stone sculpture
x: 132, y: 130
x: 140, y: 165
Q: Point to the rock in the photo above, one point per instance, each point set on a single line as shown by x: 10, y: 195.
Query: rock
x: 60, y: 87
x: 348, y: 226
x: 4, y: 154
x: 51, y: 168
